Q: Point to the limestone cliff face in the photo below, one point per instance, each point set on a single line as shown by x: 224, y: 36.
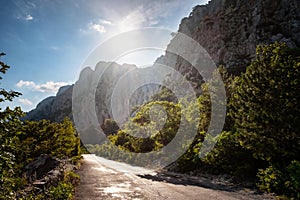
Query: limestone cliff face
x: 93, y: 92
x: 230, y: 30
x: 62, y: 104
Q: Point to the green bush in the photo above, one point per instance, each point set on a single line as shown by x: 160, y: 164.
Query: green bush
x: 71, y: 177
x: 270, y: 179
x: 284, y: 181
x: 63, y: 191
x: 293, y: 182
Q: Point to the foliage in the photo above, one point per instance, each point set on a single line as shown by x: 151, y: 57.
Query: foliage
x: 228, y: 156
x: 292, y: 181
x: 44, y: 137
x: 284, y: 181
x: 141, y: 134
x: 270, y: 179
x: 261, y: 133
x: 64, y: 191
x: 265, y: 111
x: 71, y: 177
x: 265, y: 105
x: 9, y: 124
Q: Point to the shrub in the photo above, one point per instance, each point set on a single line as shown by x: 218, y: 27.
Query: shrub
x: 293, y: 182
x: 63, y: 191
x: 270, y: 179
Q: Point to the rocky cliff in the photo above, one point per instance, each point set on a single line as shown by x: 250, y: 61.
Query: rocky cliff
x: 230, y: 30
x: 95, y: 86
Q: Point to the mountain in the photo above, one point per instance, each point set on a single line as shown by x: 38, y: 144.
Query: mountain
x: 89, y: 99
x: 229, y: 30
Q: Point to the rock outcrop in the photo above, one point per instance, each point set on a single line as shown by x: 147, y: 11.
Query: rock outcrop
x: 230, y: 30
x: 93, y: 86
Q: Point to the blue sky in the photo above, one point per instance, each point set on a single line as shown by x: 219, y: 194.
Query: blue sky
x: 47, y: 41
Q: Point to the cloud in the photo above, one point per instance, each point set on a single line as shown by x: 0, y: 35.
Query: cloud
x: 49, y: 86
x: 25, y: 102
x: 97, y: 27
x: 25, y: 17
x: 23, y: 9
x: 22, y: 83
x: 105, y: 22
x: 28, y: 17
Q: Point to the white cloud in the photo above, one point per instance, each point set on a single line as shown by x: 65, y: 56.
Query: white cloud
x: 25, y: 102
x: 28, y: 17
x: 49, y: 86
x: 97, y: 27
x: 22, y: 83
x: 105, y: 22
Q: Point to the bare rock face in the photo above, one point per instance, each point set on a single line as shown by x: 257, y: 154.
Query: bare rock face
x: 230, y: 30
x: 62, y: 104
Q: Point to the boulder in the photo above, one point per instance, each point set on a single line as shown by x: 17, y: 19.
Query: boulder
x: 40, y: 166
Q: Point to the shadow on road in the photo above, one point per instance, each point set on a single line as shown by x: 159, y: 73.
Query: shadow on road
x: 182, y: 179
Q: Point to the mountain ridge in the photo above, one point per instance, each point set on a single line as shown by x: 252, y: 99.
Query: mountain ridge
x: 229, y: 30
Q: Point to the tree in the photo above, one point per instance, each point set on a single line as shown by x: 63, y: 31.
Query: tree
x: 265, y: 106
x: 9, y: 124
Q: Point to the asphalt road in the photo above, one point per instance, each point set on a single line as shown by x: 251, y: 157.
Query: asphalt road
x: 105, y: 179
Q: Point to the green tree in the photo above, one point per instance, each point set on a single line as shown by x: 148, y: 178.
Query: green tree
x: 228, y: 156
x: 9, y: 125
x: 265, y: 106
x: 265, y: 109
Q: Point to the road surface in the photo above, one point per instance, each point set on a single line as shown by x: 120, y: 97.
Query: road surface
x: 104, y: 179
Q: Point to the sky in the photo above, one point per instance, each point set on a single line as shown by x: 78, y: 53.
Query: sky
x: 47, y: 41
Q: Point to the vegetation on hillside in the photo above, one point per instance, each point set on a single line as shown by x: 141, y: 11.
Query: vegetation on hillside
x: 260, y: 140
x: 21, y: 142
